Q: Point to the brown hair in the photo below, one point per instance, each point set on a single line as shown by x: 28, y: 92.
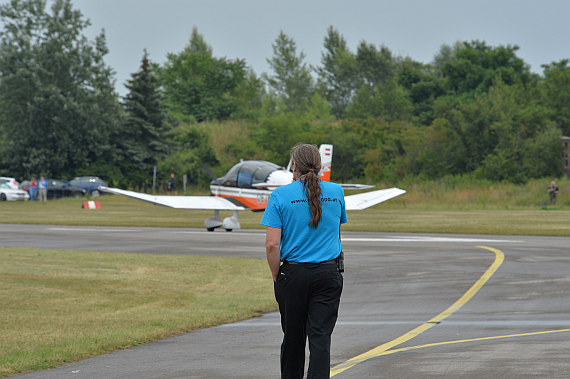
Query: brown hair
x: 308, y: 162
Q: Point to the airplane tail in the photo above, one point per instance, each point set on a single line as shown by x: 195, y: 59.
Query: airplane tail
x: 326, y: 151
x: 326, y: 162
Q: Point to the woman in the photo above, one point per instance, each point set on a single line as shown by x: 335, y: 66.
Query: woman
x: 33, y: 191
x: 303, y: 231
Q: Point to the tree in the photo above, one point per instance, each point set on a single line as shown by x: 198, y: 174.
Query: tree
x: 503, y: 133
x: 423, y: 87
x: 378, y: 94
x: 292, y: 80
x: 445, y: 54
x: 556, y: 86
x: 338, y: 75
x: 476, y: 65
x: 198, y: 85
x: 249, y: 96
x: 376, y: 67
x: 190, y: 151
x: 57, y: 102
x: 143, y: 138
x: 522, y: 142
x: 198, y: 44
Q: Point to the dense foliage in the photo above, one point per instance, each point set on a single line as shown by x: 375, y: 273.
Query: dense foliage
x: 476, y: 110
x: 57, y: 101
x: 198, y: 85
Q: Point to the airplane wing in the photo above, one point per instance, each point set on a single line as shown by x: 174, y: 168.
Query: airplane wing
x: 349, y: 186
x: 368, y: 199
x: 183, y: 202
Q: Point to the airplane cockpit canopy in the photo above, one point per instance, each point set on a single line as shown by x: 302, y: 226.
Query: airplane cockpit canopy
x: 247, y: 173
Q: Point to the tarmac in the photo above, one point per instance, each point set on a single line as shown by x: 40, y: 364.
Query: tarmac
x: 413, y: 306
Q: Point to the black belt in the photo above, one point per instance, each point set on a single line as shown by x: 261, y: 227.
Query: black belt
x: 332, y: 261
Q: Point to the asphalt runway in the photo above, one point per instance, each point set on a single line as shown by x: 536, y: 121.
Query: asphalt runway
x: 413, y: 306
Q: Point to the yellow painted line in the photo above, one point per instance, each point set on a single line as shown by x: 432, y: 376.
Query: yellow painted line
x: 473, y: 340
x: 380, y: 350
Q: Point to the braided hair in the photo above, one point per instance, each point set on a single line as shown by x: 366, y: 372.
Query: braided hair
x: 308, y: 162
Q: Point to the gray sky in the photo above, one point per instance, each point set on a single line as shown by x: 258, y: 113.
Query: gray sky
x: 247, y: 28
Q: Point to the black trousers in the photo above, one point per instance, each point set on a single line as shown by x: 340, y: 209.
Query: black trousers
x: 308, y: 296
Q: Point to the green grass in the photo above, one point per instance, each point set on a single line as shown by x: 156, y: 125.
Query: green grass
x: 465, y: 194
x: 446, y: 206
x: 502, y: 222
x: 62, y: 306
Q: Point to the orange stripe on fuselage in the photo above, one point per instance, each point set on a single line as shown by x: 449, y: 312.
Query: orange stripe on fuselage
x: 258, y: 203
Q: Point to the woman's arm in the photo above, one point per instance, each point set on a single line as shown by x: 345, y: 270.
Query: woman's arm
x: 272, y: 243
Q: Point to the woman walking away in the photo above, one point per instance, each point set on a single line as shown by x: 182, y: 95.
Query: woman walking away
x: 303, y: 251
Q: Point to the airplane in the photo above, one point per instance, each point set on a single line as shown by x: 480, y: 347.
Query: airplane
x: 248, y: 185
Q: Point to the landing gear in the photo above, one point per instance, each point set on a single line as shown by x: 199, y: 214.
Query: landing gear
x: 229, y: 223
x: 213, y: 222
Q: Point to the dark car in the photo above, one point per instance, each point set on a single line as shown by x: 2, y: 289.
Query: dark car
x: 57, y: 189
x: 90, y: 184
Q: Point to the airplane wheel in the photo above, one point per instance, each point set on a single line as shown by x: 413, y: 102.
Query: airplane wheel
x: 229, y: 230
x: 210, y: 229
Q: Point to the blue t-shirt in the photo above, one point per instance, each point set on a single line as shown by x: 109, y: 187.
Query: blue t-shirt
x: 288, y: 210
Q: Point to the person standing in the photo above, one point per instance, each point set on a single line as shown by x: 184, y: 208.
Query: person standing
x: 552, y: 192
x: 33, y: 191
x: 303, y: 232
x: 172, y: 184
x: 43, y: 187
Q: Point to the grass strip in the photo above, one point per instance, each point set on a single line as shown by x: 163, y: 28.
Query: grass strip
x: 62, y: 306
x: 405, y: 214
x: 498, y: 222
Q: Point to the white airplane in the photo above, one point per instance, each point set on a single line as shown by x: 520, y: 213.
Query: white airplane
x: 249, y: 184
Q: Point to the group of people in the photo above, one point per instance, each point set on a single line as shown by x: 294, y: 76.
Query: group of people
x: 38, y: 189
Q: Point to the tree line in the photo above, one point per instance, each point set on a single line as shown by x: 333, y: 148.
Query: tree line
x: 475, y: 110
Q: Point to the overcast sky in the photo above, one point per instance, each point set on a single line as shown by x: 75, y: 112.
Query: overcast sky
x: 247, y: 28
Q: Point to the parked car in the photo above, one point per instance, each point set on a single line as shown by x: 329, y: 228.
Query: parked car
x: 90, y: 184
x: 10, y: 194
x: 57, y: 189
x: 12, y: 182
